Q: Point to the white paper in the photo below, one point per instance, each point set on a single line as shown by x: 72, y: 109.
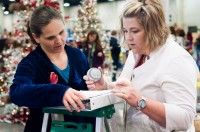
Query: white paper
x: 90, y: 94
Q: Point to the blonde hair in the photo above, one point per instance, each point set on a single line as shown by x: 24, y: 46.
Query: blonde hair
x: 150, y: 15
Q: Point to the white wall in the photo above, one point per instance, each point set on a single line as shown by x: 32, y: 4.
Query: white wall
x: 191, y: 13
x: 184, y: 12
x: 173, y: 11
x: 1, y: 19
x: 165, y: 4
x: 7, y: 21
x: 108, y: 13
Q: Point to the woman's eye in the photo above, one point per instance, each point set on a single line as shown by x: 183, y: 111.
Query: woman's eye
x: 50, y: 38
x: 61, y: 32
x: 135, y: 31
x: 125, y: 31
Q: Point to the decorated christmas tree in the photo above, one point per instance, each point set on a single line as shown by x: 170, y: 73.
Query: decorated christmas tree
x: 87, y: 19
x: 18, y: 46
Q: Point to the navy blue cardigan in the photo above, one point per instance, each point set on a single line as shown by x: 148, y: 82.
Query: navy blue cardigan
x: 32, y: 88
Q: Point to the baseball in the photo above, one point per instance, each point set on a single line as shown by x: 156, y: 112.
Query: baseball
x: 94, y: 74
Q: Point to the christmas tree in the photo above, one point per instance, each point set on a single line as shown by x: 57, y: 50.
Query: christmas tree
x: 18, y: 46
x: 86, y: 20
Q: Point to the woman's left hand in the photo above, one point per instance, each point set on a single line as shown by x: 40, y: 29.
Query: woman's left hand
x: 125, y: 90
x: 100, y: 54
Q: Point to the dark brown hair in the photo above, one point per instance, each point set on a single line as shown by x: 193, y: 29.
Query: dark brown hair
x: 113, y: 32
x: 40, y: 18
x: 97, y: 40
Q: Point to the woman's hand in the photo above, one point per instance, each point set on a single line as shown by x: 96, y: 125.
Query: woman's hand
x: 98, y: 85
x: 125, y: 90
x: 99, y: 54
x: 72, y: 98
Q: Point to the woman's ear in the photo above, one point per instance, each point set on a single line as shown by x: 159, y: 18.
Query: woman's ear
x: 37, y: 39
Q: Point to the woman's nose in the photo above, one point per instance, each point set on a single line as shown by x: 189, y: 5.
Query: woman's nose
x: 129, y: 36
x: 58, y: 39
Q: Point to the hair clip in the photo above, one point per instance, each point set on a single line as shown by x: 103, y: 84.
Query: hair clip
x: 142, y: 11
x: 143, y: 1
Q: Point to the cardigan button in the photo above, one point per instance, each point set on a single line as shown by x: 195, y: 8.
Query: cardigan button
x: 132, y: 76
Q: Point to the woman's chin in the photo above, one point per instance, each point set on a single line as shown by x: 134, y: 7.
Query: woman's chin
x: 134, y: 51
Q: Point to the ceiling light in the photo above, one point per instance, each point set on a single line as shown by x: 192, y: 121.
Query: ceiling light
x: 66, y: 4
x: 6, y: 12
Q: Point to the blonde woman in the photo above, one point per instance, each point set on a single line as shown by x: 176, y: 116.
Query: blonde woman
x: 160, y: 75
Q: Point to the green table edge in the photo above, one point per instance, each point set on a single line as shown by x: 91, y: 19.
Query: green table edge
x: 106, y: 111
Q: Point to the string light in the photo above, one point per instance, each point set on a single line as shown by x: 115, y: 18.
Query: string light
x: 12, y: 56
x: 87, y: 19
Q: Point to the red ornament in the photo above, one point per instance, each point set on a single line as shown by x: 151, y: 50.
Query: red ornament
x: 6, y: 89
x: 4, y: 99
x: 7, y: 69
x: 53, y: 78
x: 17, y: 32
x: 32, y: 4
x: 52, y: 4
x: 49, y: 1
x: 16, y: 62
x: 67, y: 17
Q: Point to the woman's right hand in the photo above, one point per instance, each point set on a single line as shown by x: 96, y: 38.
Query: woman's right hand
x: 73, y: 98
x: 98, y: 85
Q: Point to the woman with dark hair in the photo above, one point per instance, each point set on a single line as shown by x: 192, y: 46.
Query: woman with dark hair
x: 115, y: 51
x: 173, y: 32
x: 180, y: 39
x: 196, y: 52
x: 189, y: 36
x: 49, y: 76
x: 93, y: 49
x: 189, y: 42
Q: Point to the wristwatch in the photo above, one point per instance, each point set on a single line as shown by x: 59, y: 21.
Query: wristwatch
x: 141, y: 104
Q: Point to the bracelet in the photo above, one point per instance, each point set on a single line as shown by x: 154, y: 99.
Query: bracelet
x: 105, y: 86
